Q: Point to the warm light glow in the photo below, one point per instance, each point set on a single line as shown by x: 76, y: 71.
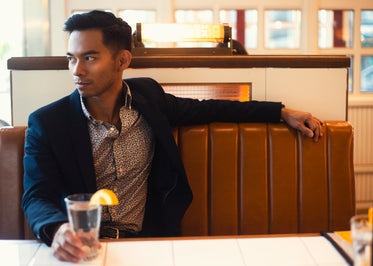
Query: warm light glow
x: 182, y: 32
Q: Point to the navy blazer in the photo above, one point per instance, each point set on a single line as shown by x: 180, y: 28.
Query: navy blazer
x: 58, y: 157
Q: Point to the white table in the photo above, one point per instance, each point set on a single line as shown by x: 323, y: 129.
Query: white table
x: 225, y: 251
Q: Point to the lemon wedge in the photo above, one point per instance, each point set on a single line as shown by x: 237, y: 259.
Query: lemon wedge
x: 104, y: 197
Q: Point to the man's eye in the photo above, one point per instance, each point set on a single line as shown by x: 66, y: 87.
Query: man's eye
x: 89, y: 58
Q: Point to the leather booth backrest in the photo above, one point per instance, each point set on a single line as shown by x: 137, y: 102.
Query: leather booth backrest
x: 246, y: 178
x: 267, y: 179
x: 12, y: 221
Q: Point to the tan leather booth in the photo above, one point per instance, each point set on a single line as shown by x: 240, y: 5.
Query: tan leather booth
x: 247, y: 178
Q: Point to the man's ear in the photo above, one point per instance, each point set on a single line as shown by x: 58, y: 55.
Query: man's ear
x: 124, y: 59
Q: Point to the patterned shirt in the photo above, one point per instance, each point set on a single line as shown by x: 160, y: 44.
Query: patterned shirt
x: 122, y: 163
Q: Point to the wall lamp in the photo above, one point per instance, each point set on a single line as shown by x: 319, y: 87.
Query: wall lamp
x: 217, y: 35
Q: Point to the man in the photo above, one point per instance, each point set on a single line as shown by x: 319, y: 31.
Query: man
x: 116, y: 134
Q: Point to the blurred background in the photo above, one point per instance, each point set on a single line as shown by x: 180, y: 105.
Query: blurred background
x: 264, y: 27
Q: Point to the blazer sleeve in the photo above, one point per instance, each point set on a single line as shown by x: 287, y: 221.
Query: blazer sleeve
x: 185, y: 111
x: 41, y: 201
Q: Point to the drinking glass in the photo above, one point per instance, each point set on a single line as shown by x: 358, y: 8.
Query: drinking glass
x: 361, y: 233
x: 84, y: 219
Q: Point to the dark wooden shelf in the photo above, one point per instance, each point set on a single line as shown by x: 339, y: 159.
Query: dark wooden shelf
x: 251, y: 61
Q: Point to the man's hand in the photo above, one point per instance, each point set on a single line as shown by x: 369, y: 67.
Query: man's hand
x: 304, y: 122
x: 66, y: 246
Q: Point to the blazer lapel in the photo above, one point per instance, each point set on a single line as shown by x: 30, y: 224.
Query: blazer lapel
x: 157, y: 121
x: 160, y: 126
x: 81, y: 142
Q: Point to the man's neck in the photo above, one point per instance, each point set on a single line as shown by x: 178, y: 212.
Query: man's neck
x: 106, y: 107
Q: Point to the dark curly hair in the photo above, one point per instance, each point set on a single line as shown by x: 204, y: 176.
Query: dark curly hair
x: 117, y: 34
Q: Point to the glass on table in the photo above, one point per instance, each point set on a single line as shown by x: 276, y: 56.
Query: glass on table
x: 84, y: 219
x: 361, y: 234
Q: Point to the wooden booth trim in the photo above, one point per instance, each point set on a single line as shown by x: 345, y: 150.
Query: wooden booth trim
x: 278, y: 61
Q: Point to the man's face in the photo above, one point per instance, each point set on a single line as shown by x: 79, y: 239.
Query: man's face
x: 92, y: 64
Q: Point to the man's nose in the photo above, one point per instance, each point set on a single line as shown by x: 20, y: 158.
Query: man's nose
x: 78, y: 69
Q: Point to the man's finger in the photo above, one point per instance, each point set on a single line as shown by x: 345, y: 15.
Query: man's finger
x: 62, y: 254
x: 66, y: 246
x: 316, y: 134
x: 72, y: 239
x: 315, y: 125
x: 73, y: 248
x: 305, y: 127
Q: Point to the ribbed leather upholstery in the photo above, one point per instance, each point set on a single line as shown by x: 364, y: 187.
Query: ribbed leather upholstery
x: 12, y: 221
x: 267, y: 178
x: 246, y: 178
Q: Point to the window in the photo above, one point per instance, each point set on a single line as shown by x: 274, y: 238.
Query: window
x: 335, y: 28
x: 366, y: 75
x: 11, y: 44
x: 74, y: 12
x: 350, y: 75
x: 80, y: 11
x: 132, y: 17
x: 194, y: 16
x: 201, y: 16
x: 282, y: 28
x: 366, y: 36
x: 244, y: 25
x: 366, y: 28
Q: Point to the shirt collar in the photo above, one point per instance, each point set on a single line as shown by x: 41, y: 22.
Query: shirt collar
x: 127, y: 101
x: 127, y: 96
